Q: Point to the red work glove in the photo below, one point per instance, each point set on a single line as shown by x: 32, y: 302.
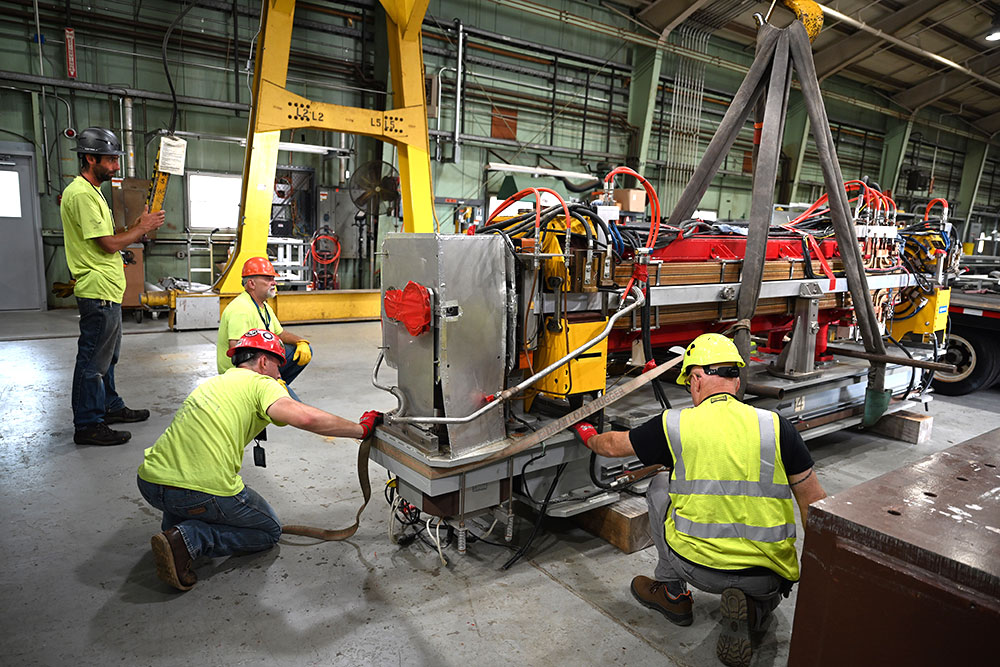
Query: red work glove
x: 650, y: 365
x: 369, y: 421
x: 584, y: 431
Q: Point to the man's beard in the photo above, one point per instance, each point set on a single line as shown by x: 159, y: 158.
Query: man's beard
x: 102, y: 173
x: 272, y: 291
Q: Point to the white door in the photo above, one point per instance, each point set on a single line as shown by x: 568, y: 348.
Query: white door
x: 22, y: 273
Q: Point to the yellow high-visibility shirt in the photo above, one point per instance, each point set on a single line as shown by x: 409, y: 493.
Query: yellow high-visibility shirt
x: 202, y: 449
x: 85, y: 218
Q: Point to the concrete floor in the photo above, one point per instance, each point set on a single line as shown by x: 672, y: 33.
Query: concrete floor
x: 79, y: 587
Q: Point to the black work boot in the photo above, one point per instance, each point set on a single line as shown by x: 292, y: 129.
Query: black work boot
x: 100, y: 434
x: 173, y: 561
x: 126, y: 416
x: 653, y: 594
x: 734, y: 647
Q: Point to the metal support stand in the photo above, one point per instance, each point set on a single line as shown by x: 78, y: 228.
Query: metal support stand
x: 769, y: 77
x: 797, y: 359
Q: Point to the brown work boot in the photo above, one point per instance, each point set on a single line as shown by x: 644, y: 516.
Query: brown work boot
x: 734, y: 647
x: 173, y: 562
x: 653, y: 594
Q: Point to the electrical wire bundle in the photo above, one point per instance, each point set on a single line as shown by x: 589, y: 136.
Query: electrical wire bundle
x: 408, y: 516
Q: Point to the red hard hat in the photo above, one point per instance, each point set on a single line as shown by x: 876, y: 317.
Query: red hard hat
x: 259, y: 339
x: 258, y: 266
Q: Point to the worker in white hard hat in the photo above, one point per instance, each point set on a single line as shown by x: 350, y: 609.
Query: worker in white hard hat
x: 722, y: 518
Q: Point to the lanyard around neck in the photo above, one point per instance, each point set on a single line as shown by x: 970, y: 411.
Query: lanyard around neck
x: 103, y: 198
x: 265, y: 316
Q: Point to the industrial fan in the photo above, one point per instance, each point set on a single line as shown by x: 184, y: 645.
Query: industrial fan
x: 374, y: 189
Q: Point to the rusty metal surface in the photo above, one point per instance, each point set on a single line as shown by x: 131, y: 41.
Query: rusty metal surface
x: 941, y: 513
x: 905, y: 568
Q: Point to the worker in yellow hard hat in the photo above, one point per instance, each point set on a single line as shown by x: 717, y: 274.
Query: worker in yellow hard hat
x: 250, y: 310
x: 722, y: 518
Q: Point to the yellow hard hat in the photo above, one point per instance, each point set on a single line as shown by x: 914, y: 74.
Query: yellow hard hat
x: 708, y: 349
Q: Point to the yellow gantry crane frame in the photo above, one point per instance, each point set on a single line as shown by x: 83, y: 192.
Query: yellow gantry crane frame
x: 273, y: 108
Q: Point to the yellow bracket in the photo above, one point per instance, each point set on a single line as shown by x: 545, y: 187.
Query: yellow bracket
x: 281, y: 109
x: 274, y: 109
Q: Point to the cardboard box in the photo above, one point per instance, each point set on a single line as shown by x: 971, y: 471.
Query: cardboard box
x: 128, y: 199
x: 631, y: 200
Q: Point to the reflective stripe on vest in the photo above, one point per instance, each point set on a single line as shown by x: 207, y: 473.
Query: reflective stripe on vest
x: 713, y: 530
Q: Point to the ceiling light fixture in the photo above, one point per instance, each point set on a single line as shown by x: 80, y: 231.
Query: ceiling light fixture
x: 993, y: 34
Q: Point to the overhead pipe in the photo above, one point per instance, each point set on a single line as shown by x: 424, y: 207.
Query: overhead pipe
x: 459, y: 87
x: 45, y: 123
x: 129, y: 139
x: 860, y: 25
x: 117, y: 90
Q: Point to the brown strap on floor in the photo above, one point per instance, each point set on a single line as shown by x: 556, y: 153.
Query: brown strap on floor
x: 366, y: 490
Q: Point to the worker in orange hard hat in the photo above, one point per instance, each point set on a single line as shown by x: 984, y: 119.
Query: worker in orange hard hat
x: 250, y: 310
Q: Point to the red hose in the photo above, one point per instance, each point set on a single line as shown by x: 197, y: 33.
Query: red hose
x: 944, y: 205
x: 654, y: 212
x: 315, y: 255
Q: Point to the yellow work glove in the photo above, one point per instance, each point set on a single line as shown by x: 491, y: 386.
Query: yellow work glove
x: 63, y: 290
x: 303, y: 353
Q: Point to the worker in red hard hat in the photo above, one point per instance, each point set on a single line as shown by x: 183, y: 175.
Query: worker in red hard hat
x: 191, y: 473
x: 250, y: 310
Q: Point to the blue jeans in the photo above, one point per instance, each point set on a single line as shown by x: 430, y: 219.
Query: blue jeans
x: 764, y: 590
x: 215, y: 526
x: 97, y: 353
x: 291, y: 369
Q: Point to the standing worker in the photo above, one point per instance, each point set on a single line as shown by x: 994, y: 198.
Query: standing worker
x: 722, y: 518
x: 250, y: 310
x: 92, y: 253
x: 191, y: 473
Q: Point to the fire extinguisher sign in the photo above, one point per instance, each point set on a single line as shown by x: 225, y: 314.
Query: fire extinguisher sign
x: 70, y: 52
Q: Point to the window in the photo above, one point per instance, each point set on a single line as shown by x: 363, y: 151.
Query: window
x: 213, y: 201
x: 10, y: 194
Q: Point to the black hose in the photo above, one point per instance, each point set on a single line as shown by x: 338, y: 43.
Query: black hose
x: 163, y: 53
x: 587, y: 226
x: 647, y: 350
x: 538, y: 522
x: 913, y: 370
x: 586, y: 186
x: 593, y: 474
x: 521, y: 217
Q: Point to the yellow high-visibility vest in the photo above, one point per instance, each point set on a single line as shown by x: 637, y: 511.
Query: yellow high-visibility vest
x: 730, y: 503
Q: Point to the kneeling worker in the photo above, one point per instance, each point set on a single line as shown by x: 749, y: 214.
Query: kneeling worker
x: 722, y: 519
x: 250, y: 310
x: 191, y: 472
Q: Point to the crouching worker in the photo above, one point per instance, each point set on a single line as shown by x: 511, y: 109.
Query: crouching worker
x: 722, y: 519
x: 191, y: 473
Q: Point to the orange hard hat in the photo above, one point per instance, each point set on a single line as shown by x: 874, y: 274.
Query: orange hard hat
x: 258, y: 266
x: 259, y: 339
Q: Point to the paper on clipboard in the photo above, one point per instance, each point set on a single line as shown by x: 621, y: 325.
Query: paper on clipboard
x: 172, y: 153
